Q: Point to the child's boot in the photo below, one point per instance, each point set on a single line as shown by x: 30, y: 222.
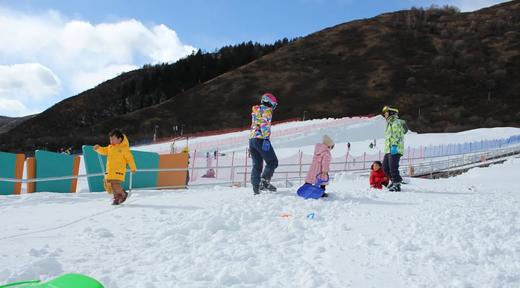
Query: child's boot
x: 266, y: 185
x: 394, y: 187
x: 124, y: 197
x: 117, y: 199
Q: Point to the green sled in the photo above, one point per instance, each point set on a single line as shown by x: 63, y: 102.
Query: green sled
x: 64, y: 281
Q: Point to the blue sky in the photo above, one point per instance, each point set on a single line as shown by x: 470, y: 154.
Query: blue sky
x: 212, y: 24
x: 53, y: 38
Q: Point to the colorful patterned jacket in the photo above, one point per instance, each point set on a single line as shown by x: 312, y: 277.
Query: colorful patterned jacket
x: 394, y: 134
x: 261, y: 117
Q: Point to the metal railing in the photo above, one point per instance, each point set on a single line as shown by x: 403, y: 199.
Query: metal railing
x: 421, y: 167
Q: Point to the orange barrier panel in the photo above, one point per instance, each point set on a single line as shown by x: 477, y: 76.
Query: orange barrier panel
x: 75, y: 172
x: 31, y: 173
x: 20, y: 160
x: 174, y: 178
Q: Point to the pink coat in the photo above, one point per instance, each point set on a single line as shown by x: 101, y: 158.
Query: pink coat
x: 320, y: 163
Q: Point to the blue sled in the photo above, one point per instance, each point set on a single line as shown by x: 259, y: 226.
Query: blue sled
x: 309, y: 191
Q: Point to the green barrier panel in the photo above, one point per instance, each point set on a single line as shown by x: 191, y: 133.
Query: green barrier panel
x: 92, y: 166
x: 64, y: 281
x: 7, y: 170
x: 50, y: 164
x: 143, y: 160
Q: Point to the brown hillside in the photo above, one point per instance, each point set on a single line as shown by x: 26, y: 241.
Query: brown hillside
x: 446, y: 71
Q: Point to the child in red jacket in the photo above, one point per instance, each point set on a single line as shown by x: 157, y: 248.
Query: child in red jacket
x: 378, y: 178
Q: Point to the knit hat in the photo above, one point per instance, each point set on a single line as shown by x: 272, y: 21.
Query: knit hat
x: 328, y: 141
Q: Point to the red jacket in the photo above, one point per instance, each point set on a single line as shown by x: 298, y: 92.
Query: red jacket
x: 378, y: 178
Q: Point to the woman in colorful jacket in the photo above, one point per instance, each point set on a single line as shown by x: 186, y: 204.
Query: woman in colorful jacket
x: 394, y: 147
x: 260, y: 145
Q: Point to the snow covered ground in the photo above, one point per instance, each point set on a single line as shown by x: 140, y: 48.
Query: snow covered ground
x: 457, y: 232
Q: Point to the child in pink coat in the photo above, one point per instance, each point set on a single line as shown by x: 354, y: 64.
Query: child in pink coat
x: 321, y: 162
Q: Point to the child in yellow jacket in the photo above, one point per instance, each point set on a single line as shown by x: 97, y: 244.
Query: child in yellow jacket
x: 118, y: 156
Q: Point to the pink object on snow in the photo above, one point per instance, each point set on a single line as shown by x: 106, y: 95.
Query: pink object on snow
x: 320, y: 163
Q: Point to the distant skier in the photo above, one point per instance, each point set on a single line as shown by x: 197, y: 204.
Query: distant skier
x: 260, y: 144
x: 394, y: 146
x: 348, y: 146
x: 118, y: 156
x: 320, y: 166
x: 378, y: 178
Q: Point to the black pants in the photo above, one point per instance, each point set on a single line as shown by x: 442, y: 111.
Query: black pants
x: 391, y: 167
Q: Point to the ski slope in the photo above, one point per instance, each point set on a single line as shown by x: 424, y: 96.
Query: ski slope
x: 359, y: 132
x: 457, y: 232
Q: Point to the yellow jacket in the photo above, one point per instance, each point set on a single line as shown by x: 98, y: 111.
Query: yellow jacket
x: 118, y: 156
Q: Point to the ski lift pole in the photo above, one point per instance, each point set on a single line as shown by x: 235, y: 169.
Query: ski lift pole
x: 346, y: 161
x: 216, y: 169
x: 232, y: 168
x: 300, y: 154
x: 130, y: 184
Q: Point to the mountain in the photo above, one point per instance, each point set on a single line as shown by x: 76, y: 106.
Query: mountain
x: 7, y: 123
x: 68, y: 123
x: 444, y: 70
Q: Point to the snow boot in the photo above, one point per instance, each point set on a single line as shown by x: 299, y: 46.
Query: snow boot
x: 325, y: 194
x: 265, y: 185
x: 119, y: 199
x: 125, y: 196
x: 394, y: 187
x: 256, y: 191
x: 116, y: 200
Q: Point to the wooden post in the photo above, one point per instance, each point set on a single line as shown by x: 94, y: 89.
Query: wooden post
x: 75, y: 172
x: 193, y: 164
x: 20, y: 159
x: 31, y: 174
